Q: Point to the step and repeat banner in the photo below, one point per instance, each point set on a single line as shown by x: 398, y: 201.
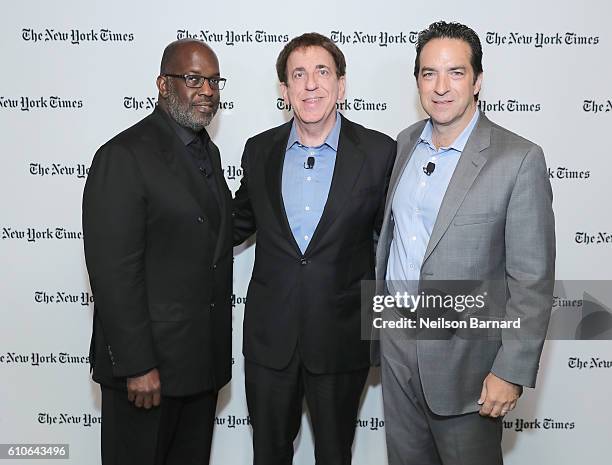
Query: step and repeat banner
x: 76, y: 73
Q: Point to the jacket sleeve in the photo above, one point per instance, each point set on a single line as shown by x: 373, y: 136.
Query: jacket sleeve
x: 530, y: 270
x: 114, y: 227
x: 242, y: 210
x: 391, y: 150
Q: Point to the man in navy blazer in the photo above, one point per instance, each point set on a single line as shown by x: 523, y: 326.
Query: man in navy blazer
x: 313, y: 190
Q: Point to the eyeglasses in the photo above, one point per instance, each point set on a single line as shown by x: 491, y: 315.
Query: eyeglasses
x: 196, y: 81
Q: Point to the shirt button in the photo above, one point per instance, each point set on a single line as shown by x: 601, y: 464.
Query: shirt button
x: 307, y: 208
x: 423, y: 184
x: 434, y: 158
x: 414, y: 238
x: 200, y: 219
x: 310, y: 153
x: 308, y: 178
x: 305, y: 238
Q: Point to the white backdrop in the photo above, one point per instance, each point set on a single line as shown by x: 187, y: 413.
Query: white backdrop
x: 64, y: 93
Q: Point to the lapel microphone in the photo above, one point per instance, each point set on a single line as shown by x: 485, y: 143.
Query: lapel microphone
x: 429, y: 168
x: 309, y: 163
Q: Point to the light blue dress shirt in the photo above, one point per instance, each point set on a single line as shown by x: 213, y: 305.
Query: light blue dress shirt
x: 304, y: 190
x: 416, y: 204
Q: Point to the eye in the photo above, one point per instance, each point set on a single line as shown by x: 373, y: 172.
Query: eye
x: 324, y: 71
x: 427, y: 75
x: 193, y: 79
x: 298, y: 74
x: 457, y: 73
x: 213, y: 81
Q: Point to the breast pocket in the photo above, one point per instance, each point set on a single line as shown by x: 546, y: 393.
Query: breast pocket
x: 476, y: 218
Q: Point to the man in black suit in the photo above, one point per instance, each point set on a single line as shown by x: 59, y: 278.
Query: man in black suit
x: 313, y: 190
x: 158, y: 246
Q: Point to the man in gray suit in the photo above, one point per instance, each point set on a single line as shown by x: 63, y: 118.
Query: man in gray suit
x: 468, y: 201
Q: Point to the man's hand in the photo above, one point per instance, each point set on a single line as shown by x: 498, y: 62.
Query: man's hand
x: 498, y: 396
x: 145, y: 390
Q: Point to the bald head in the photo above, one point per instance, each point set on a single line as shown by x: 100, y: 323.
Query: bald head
x: 179, y: 48
x: 190, y: 106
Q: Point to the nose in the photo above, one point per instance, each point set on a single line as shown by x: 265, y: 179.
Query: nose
x: 442, y: 84
x: 311, y: 81
x: 206, y: 89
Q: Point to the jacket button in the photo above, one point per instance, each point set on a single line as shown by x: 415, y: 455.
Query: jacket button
x: 200, y: 219
x: 214, y: 267
x: 304, y: 261
x: 212, y: 306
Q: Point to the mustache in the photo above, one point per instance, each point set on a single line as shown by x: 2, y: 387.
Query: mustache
x: 207, y: 101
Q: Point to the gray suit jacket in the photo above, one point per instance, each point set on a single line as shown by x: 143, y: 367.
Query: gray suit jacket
x: 495, y: 223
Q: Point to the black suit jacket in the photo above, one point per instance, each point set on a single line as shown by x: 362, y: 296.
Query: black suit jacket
x: 311, y: 300
x: 161, y: 275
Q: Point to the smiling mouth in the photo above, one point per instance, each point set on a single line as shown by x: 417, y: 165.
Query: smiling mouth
x: 312, y: 99
x: 442, y: 102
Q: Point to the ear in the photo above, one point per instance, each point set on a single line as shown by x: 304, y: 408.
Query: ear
x: 478, y: 84
x: 284, y: 92
x: 341, y: 87
x: 162, y: 86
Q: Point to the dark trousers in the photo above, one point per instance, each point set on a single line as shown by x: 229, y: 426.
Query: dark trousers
x: 178, y: 432
x: 274, y: 398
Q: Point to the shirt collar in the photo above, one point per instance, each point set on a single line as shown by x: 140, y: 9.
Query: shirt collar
x: 331, y: 140
x: 186, y: 135
x: 459, y: 143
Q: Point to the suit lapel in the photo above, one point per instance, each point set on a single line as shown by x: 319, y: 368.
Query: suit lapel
x: 470, y: 164
x: 274, y: 181
x: 386, y: 234
x: 400, y: 165
x: 174, y: 153
x: 349, y: 160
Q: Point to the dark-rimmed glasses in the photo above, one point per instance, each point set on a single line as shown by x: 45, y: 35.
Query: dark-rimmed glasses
x: 196, y: 81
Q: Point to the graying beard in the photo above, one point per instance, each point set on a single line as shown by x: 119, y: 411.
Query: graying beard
x: 181, y: 114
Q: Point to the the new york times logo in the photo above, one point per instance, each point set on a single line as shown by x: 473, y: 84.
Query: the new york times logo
x: 75, y: 36
x: 519, y: 424
x: 373, y: 423
x: 594, y: 106
x: 577, y: 363
x: 561, y: 172
x: 149, y: 103
x: 584, y: 318
x: 36, y: 234
x: 598, y: 238
x: 84, y: 298
x: 356, y: 104
x: 510, y: 105
x: 85, y: 419
x: 539, y: 39
x: 382, y: 38
x: 232, y: 172
x: 238, y: 300
x: 561, y: 302
x: 78, y: 170
x: 233, y: 421
x: 37, y: 359
x: 40, y: 103
x: 232, y: 38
